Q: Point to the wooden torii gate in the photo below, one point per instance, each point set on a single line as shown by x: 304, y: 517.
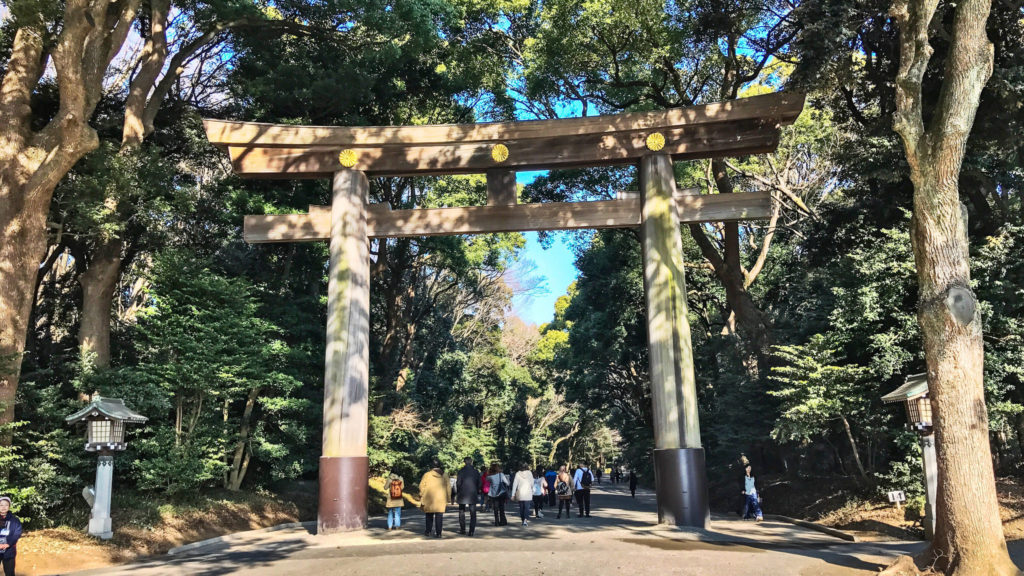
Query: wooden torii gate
x: 653, y: 140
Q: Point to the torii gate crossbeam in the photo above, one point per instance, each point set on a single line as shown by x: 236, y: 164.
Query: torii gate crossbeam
x: 652, y: 140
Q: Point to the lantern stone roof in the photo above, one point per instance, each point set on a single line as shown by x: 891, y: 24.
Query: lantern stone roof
x: 915, y: 387
x: 112, y: 408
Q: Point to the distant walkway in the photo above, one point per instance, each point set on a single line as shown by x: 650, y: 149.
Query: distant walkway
x: 620, y: 537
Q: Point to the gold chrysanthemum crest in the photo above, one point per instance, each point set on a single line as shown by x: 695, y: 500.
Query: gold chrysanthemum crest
x: 348, y: 158
x: 499, y: 153
x: 655, y: 141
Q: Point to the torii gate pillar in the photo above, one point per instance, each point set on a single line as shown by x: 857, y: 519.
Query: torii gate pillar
x: 680, y: 477
x: 344, y: 466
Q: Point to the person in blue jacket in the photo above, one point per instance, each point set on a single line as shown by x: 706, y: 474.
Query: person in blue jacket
x: 10, y: 532
x: 752, y: 503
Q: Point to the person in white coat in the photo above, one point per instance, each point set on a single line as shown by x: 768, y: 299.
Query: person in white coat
x: 522, y: 492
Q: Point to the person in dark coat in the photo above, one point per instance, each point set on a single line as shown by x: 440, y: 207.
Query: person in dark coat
x: 632, y: 483
x: 10, y: 532
x: 467, y: 487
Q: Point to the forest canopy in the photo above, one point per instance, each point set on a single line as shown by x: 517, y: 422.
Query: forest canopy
x: 800, y: 323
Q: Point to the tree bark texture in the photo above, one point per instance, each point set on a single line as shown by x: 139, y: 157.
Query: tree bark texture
x: 98, y: 283
x: 969, y: 534
x: 853, y: 448
x: 242, y: 453
x: 33, y: 162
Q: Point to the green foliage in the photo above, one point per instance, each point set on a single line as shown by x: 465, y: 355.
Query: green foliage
x: 203, y: 349
x: 905, y: 473
x: 204, y: 323
x: 814, y: 391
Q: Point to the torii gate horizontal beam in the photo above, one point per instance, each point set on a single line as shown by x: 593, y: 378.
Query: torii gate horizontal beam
x: 733, y: 128
x: 622, y: 213
x: 567, y: 152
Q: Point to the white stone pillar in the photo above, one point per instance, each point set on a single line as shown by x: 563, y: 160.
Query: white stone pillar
x: 931, y: 483
x: 99, y: 520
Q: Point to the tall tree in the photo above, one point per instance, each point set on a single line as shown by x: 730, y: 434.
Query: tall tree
x: 81, y: 39
x: 80, y: 42
x: 629, y: 54
x: 968, y: 533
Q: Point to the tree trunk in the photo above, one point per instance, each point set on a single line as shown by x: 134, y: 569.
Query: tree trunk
x: 240, y: 461
x: 750, y: 320
x: 853, y: 448
x: 22, y: 247
x: 554, y: 447
x: 98, y: 283
x: 968, y: 533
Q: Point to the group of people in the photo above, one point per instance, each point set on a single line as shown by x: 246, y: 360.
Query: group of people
x: 492, y: 489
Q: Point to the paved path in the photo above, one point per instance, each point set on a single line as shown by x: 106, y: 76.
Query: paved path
x: 621, y: 537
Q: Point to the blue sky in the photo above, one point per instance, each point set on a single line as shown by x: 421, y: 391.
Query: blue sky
x: 554, y: 267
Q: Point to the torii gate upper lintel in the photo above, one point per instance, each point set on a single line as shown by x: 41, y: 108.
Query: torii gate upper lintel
x: 652, y: 140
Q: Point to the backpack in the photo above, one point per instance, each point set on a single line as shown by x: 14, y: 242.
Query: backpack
x: 562, y: 488
x: 396, y: 489
x: 587, y: 479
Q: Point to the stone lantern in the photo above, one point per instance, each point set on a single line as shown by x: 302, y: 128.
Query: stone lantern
x: 105, y: 420
x: 914, y: 395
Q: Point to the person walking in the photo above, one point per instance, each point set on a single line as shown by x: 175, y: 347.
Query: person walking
x: 752, y: 505
x: 434, y: 498
x: 598, y: 472
x: 485, y: 488
x: 522, y: 492
x: 467, y: 486
x: 632, y: 483
x: 10, y: 533
x: 582, y: 481
x: 395, y: 488
x: 499, y: 494
x: 540, y: 492
x: 563, y: 488
x: 551, y: 475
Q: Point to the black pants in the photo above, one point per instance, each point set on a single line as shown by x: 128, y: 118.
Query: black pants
x: 499, y: 511
x: 567, y: 503
x: 538, y: 505
x: 551, y: 496
x: 583, y: 501
x: 8, y: 564
x: 472, y: 518
x: 434, y: 520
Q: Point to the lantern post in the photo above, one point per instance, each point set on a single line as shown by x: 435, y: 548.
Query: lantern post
x: 105, y: 420
x: 914, y: 395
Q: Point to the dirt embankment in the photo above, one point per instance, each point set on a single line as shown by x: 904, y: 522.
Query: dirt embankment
x: 841, y: 503
x: 143, y: 527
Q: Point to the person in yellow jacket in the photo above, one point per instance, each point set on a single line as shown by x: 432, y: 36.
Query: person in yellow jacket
x: 434, y: 487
